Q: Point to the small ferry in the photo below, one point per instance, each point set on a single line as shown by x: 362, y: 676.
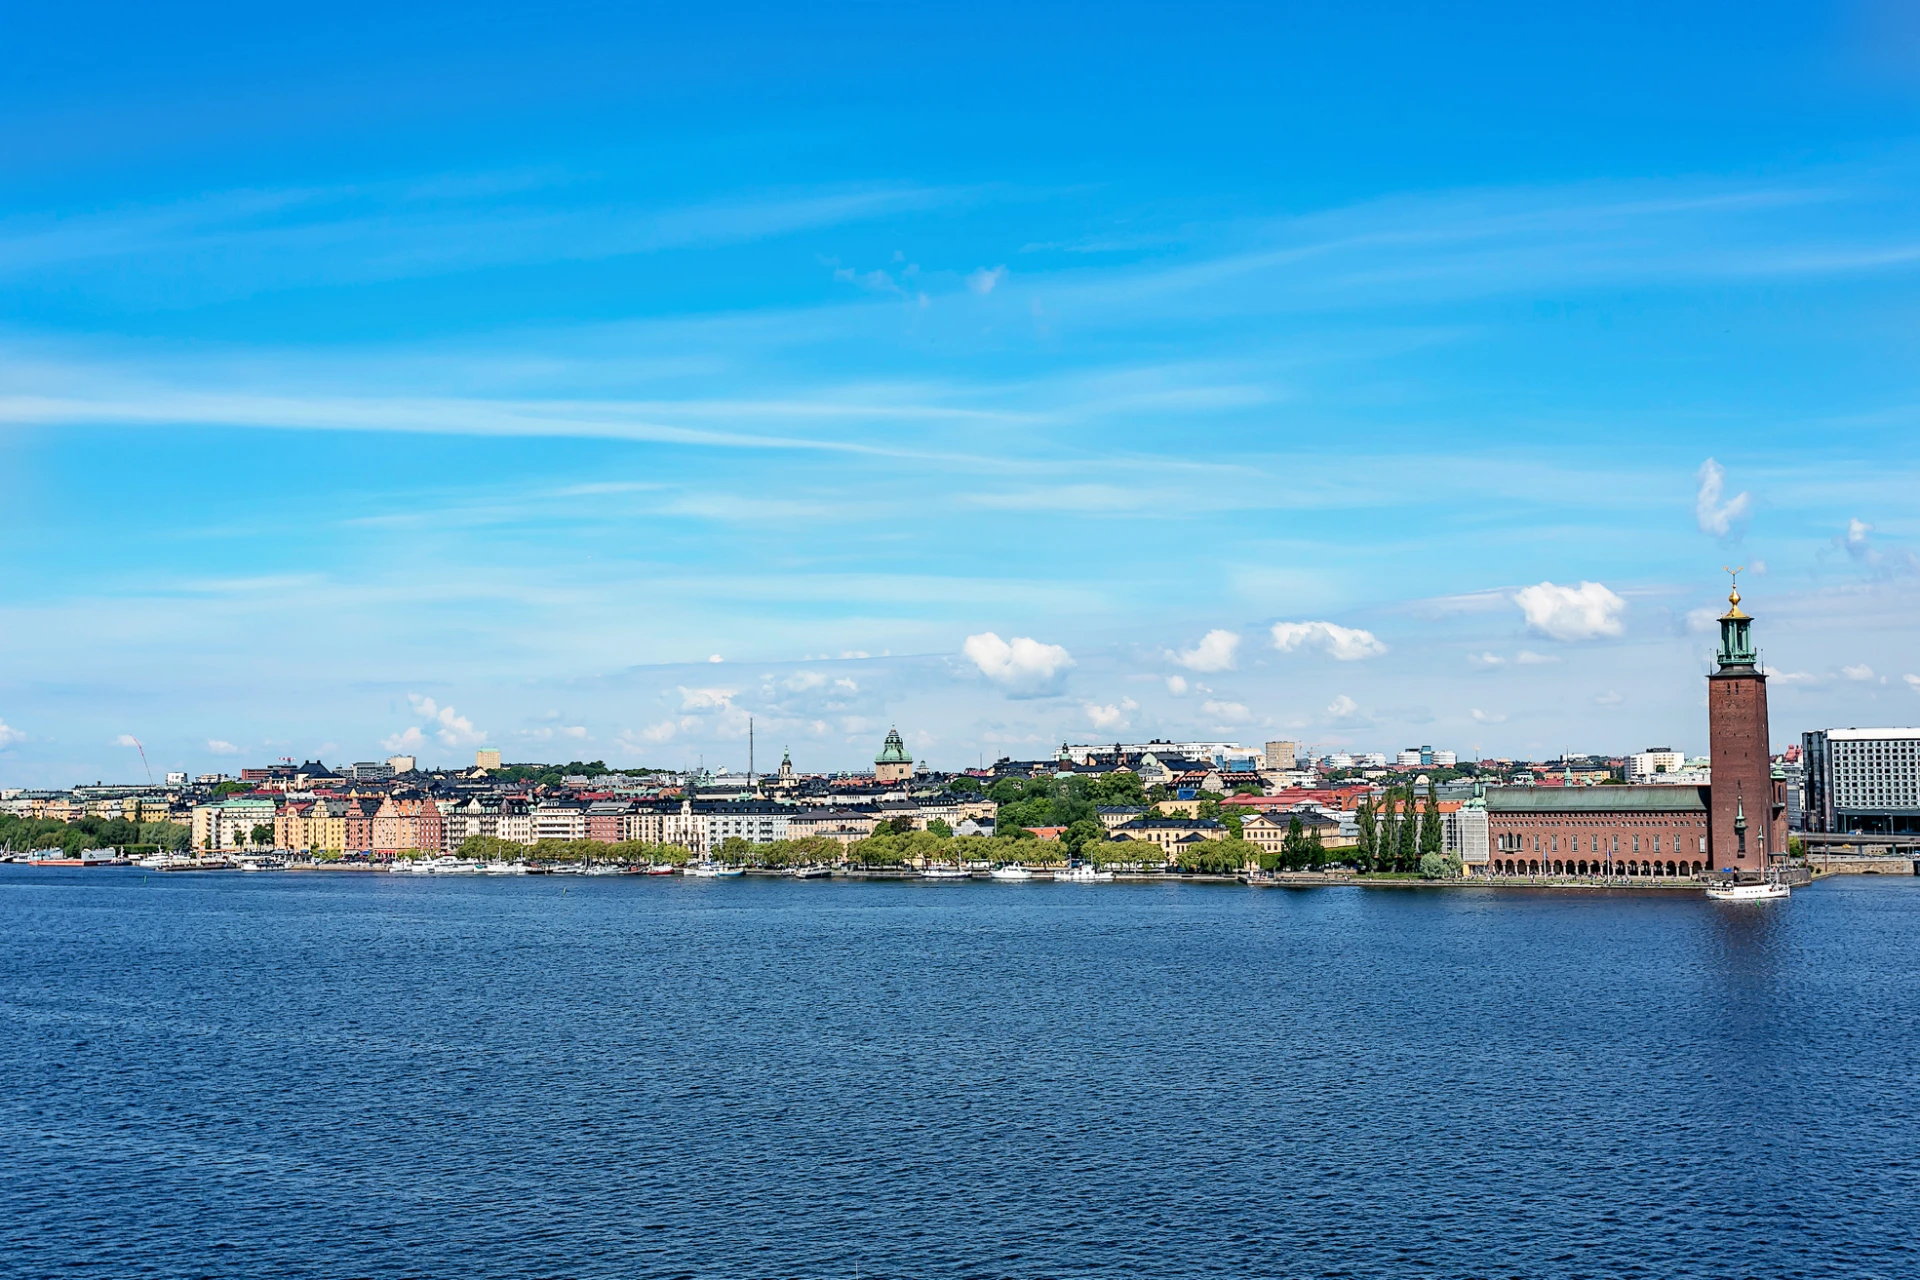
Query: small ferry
x: 1756, y: 891
x: 946, y: 873
x: 1082, y: 873
x: 1012, y: 871
x: 708, y: 869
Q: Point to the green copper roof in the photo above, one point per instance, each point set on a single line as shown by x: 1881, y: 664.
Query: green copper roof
x: 894, y: 752
x: 1596, y: 800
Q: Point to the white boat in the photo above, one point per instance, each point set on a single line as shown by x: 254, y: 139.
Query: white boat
x: 506, y: 868
x: 703, y: 870
x: 946, y: 873
x: 1085, y: 873
x: 1763, y: 891
x: 604, y: 869
x: 810, y: 873
x: 1012, y: 871
x: 248, y: 864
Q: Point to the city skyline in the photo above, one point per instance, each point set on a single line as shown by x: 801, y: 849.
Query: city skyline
x: 1000, y: 398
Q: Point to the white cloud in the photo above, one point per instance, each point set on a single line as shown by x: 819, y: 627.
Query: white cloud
x: 1226, y: 710
x: 1913, y: 681
x: 1793, y: 677
x: 1859, y: 543
x: 1023, y: 664
x: 714, y: 657
x: 410, y: 739
x: 1861, y: 672
x: 1486, y: 660
x: 10, y: 735
x: 574, y: 731
x: 1489, y: 717
x: 1702, y: 621
x: 661, y: 732
x: 1714, y: 516
x: 801, y: 681
x: 1585, y: 612
x: 1177, y: 686
x: 847, y: 685
x: 126, y: 740
x: 983, y: 280
x: 1214, y: 652
x: 1111, y: 716
x: 221, y: 747
x: 455, y: 730
x: 1344, y: 644
x: 1608, y: 699
x: 698, y: 700
x: 1343, y: 707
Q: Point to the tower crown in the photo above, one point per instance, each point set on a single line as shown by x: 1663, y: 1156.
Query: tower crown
x: 1736, y: 631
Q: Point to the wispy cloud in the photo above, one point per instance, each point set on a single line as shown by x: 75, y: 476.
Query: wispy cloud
x: 239, y: 241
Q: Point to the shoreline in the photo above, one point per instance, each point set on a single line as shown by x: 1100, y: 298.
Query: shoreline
x: 1898, y: 869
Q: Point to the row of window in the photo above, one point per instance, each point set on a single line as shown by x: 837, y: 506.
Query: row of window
x: 1515, y: 842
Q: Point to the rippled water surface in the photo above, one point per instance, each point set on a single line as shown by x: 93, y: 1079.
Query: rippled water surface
x: 341, y: 1075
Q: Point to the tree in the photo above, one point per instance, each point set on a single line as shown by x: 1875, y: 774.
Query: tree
x: 261, y: 834
x: 939, y: 826
x: 1081, y: 834
x: 964, y: 784
x: 1316, y: 851
x: 1216, y: 857
x: 901, y: 825
x: 1366, y: 851
x: 1430, y: 831
x: 1409, y: 833
x: 1389, y: 851
x: 735, y: 849
x: 1120, y: 787
x: 1293, y: 847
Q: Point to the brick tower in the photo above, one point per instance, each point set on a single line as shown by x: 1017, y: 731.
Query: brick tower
x: 1745, y: 824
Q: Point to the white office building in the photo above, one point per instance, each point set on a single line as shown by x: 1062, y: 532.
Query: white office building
x: 1862, y: 781
x: 1645, y: 768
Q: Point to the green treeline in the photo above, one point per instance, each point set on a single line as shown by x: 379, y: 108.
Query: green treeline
x: 92, y: 833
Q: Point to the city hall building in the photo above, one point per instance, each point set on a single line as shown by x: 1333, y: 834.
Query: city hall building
x: 1736, y: 824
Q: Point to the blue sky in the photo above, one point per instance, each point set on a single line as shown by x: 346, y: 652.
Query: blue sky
x: 1357, y: 374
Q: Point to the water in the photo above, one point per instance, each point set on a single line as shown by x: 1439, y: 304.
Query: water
x: 334, y: 1075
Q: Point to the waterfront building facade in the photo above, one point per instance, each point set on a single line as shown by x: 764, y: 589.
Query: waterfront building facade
x: 1862, y: 781
x: 1655, y: 831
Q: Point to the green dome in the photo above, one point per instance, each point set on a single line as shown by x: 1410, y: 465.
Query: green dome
x: 894, y: 752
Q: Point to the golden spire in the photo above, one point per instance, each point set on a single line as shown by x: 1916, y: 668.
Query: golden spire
x: 1733, y: 596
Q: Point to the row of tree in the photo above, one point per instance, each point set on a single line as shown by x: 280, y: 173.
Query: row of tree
x: 1402, y: 834
x: 91, y: 833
